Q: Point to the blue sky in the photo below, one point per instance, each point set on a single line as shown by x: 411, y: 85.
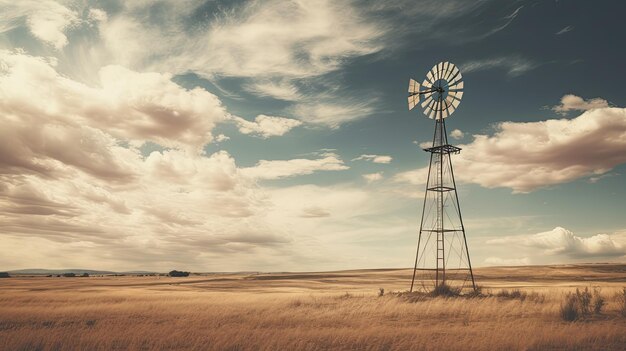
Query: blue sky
x: 274, y: 135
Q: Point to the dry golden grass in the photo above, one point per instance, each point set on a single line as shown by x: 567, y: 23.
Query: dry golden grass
x: 309, y: 311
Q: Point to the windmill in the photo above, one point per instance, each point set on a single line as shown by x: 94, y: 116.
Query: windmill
x: 442, y: 259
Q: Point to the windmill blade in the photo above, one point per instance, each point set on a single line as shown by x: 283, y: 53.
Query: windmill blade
x: 413, y: 101
x: 456, y: 103
x: 446, y: 67
x: 455, y: 73
x: 427, y: 101
x: 451, y: 110
x: 455, y: 94
x: 449, y: 101
x: 456, y: 79
x: 414, y: 87
x: 429, y: 77
x: 428, y: 108
x: 435, y: 71
x: 452, y: 71
x: 432, y: 114
x: 457, y: 86
x: 432, y: 109
x: 446, y: 75
x: 439, y: 70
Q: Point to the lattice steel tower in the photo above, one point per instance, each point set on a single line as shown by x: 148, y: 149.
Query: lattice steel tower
x: 442, y: 259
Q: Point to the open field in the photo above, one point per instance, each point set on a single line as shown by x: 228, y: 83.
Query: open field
x: 307, y: 311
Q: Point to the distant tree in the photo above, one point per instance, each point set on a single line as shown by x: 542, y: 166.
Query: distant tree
x: 85, y: 274
x: 4, y: 275
x: 69, y: 275
x: 176, y: 273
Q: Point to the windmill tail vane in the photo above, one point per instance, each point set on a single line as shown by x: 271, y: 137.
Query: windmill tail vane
x: 442, y: 259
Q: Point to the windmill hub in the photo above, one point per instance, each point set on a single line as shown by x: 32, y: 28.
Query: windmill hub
x: 442, y: 259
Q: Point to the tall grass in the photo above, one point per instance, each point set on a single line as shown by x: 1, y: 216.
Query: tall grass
x: 171, y: 317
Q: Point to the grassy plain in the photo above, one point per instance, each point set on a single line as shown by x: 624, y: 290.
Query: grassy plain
x: 305, y: 311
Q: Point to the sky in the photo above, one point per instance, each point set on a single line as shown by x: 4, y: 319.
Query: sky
x: 275, y: 135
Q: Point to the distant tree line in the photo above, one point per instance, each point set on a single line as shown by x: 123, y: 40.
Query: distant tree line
x: 176, y: 273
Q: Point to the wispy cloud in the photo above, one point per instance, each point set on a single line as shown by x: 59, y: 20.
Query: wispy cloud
x: 514, y: 65
x: 46, y: 20
x: 508, y: 19
x: 375, y: 158
x: 565, y: 30
x: 277, y: 169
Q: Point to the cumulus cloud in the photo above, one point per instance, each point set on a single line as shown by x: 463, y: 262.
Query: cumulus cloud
x: 373, y: 177
x: 97, y: 15
x: 72, y: 174
x: 266, y: 126
x: 457, y: 134
x: 277, y: 169
x: 560, y: 241
x: 571, y: 102
x: 525, y: 156
x: 374, y: 158
x: 127, y: 104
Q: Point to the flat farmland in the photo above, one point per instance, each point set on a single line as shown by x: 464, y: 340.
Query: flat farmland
x: 309, y: 311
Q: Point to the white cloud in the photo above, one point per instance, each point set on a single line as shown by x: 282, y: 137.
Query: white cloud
x: 281, y: 89
x: 375, y: 158
x: 314, y: 212
x: 571, y: 102
x: 98, y: 15
x: 266, y: 126
x: 127, y: 104
x: 300, y: 42
x: 47, y: 20
x: 221, y: 138
x: 414, y: 177
x: 457, y: 134
x: 331, y: 114
x: 423, y: 144
x: 514, y: 65
x: 530, y: 155
x: 565, y: 30
x: 373, y: 177
x: 277, y: 169
x: 497, y: 261
x: 560, y: 241
x: 326, y: 34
